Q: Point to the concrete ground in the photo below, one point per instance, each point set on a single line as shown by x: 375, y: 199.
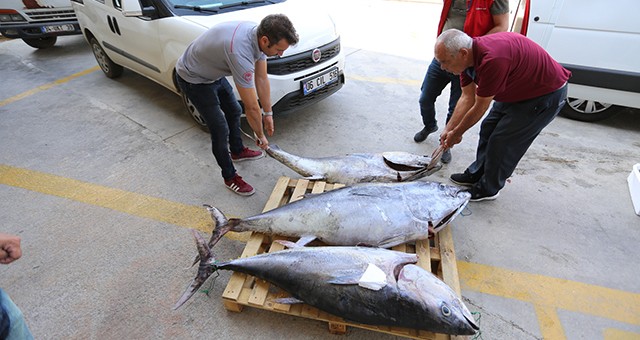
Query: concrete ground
x: 103, y: 178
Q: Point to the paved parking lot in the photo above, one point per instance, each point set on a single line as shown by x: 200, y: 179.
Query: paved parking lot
x: 103, y: 178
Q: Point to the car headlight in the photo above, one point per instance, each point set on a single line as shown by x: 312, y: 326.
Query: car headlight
x: 10, y: 16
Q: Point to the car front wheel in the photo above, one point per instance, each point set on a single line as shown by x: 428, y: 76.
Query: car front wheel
x: 110, y: 69
x: 194, y: 113
x: 588, y: 110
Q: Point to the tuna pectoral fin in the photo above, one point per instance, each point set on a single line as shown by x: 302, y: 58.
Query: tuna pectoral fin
x: 303, y: 241
x: 392, y: 241
x: 348, y: 278
x: 205, y: 269
x: 288, y: 301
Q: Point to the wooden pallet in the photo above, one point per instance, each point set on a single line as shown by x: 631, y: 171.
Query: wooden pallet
x: 436, y: 255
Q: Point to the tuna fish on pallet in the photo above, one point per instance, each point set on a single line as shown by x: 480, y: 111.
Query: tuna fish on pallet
x: 358, y: 167
x: 338, y: 280
x: 372, y: 214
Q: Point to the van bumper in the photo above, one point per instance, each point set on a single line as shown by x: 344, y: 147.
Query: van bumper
x: 39, y: 30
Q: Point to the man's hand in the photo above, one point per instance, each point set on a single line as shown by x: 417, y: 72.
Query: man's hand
x: 449, y: 138
x: 267, y: 121
x: 9, y: 248
x: 263, y: 143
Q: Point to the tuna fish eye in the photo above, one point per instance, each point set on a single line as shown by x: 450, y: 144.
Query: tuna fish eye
x: 445, y: 310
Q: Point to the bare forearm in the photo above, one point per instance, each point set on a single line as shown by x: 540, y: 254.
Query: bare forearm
x: 473, y: 115
x: 254, y: 118
x: 462, y: 107
x: 264, y: 93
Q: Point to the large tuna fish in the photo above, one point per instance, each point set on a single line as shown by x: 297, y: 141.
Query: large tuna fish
x: 331, y: 279
x: 357, y: 167
x: 373, y: 214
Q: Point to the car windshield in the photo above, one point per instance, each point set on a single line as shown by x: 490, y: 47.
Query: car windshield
x: 215, y: 5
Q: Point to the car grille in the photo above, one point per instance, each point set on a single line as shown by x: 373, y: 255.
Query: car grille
x: 50, y: 15
x: 302, y: 61
x: 297, y: 100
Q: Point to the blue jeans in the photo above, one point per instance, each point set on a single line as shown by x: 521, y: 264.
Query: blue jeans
x: 12, y: 324
x: 221, y: 111
x: 506, y: 134
x: 434, y: 82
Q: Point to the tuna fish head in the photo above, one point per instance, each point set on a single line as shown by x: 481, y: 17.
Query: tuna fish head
x: 435, y: 203
x: 441, y: 307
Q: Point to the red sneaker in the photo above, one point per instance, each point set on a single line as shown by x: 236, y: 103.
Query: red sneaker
x: 239, y: 186
x: 246, y: 154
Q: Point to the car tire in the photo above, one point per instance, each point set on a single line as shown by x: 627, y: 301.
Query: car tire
x: 588, y: 110
x: 194, y: 113
x: 42, y: 42
x: 110, y: 69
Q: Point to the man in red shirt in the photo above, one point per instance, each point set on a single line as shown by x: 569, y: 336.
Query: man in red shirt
x: 529, y: 89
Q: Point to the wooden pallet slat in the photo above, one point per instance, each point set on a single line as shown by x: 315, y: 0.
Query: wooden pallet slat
x: 436, y: 255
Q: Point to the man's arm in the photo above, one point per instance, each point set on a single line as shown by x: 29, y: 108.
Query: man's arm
x: 9, y: 248
x: 500, y: 14
x: 252, y: 111
x: 501, y: 22
x: 469, y: 110
x: 264, y: 93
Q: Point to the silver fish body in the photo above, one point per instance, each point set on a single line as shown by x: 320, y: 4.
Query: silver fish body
x: 373, y: 214
x: 357, y: 167
x: 327, y: 278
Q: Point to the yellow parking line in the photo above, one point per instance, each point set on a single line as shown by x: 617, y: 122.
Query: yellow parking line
x: 47, y: 86
x: 546, y: 294
x: 616, y: 334
x: 115, y: 199
x: 384, y: 80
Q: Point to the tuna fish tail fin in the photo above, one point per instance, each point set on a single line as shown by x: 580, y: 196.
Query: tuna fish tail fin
x: 205, y: 269
x: 222, y: 226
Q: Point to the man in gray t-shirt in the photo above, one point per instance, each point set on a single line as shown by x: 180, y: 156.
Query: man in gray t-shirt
x: 237, y: 49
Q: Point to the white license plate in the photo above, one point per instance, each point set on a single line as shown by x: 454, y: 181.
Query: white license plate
x: 318, y: 82
x: 57, y: 28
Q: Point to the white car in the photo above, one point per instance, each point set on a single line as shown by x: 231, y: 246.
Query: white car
x: 598, y: 41
x: 148, y: 37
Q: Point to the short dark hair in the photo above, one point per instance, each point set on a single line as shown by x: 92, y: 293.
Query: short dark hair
x: 277, y: 27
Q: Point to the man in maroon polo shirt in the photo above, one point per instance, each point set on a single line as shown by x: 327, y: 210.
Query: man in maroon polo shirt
x: 528, y: 87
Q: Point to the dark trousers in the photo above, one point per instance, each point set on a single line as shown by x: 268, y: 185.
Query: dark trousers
x: 434, y: 82
x: 506, y: 134
x: 221, y: 111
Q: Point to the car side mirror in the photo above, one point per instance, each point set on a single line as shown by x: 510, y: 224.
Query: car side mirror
x: 131, y: 8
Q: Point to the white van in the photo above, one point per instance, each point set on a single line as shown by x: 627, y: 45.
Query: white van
x: 598, y: 40
x: 37, y: 22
